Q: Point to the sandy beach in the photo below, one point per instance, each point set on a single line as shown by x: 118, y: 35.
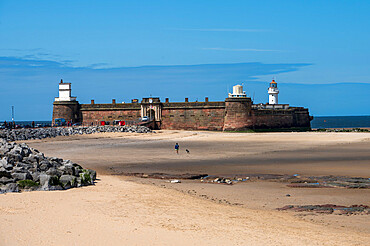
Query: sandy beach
x: 121, y: 210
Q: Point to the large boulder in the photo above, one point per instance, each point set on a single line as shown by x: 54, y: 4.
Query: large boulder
x: 68, y: 181
x: 5, y: 180
x: 14, y: 157
x: 92, y: 174
x: 31, y: 159
x: 86, y: 178
x: 11, y: 187
x: 5, y: 164
x: 36, y: 176
x: 5, y: 173
x: 21, y: 176
x: 44, y: 180
x: 54, y: 172
x: 67, y: 169
x: 48, y: 182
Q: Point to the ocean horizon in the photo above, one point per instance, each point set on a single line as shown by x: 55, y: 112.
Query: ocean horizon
x: 318, y: 122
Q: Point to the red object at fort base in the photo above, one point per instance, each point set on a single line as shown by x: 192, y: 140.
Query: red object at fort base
x: 122, y: 123
x: 102, y: 123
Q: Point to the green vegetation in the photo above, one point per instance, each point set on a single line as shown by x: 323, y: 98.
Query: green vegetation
x: 26, y: 184
x: 85, y: 177
x: 54, y: 181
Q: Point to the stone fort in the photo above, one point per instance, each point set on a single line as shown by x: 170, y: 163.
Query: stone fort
x: 236, y: 113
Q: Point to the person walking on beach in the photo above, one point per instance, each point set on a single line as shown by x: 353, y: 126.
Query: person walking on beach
x: 177, y: 146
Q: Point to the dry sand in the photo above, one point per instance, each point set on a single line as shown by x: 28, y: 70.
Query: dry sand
x: 118, y: 211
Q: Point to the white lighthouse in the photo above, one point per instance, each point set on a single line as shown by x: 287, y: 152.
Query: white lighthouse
x: 65, y: 93
x: 273, y: 93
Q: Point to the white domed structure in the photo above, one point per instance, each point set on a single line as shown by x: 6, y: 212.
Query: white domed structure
x: 238, y: 91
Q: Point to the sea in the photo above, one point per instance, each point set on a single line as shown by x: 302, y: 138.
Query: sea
x: 318, y: 122
x: 29, y: 123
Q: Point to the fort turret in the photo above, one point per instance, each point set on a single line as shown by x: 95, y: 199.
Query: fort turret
x: 237, y: 110
x: 65, y: 106
x: 273, y: 93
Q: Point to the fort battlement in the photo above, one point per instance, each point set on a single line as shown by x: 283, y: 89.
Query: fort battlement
x: 236, y: 113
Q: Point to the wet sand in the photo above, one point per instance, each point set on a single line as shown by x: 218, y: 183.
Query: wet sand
x: 127, y: 210
x: 218, y: 153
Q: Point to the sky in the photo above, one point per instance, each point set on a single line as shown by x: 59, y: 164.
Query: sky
x: 316, y: 50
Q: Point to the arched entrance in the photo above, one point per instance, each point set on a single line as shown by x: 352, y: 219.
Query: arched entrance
x: 151, y: 114
x: 151, y: 108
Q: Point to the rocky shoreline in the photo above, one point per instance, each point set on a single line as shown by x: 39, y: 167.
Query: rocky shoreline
x: 25, y: 168
x: 51, y: 132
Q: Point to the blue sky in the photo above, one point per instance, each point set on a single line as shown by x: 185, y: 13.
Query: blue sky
x: 316, y: 50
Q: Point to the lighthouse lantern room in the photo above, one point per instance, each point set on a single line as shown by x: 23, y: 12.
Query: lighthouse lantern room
x: 273, y: 93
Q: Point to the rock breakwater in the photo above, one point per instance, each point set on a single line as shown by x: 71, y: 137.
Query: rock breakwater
x: 50, y: 132
x: 329, y: 209
x: 25, y: 168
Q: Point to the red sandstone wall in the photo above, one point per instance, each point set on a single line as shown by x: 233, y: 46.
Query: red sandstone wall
x: 272, y: 120
x: 233, y: 114
x: 193, y: 118
x: 95, y: 117
x: 280, y: 118
x: 238, y: 114
x: 302, y: 118
x: 68, y: 111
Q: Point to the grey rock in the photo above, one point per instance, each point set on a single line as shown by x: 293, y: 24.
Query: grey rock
x: 92, y: 174
x: 36, y: 176
x: 86, y: 178
x: 4, y: 150
x: 31, y: 159
x: 21, y: 176
x: 47, y: 181
x: 44, y: 166
x: 54, y: 172
x: 5, y: 173
x: 11, y: 187
x: 14, y: 157
x: 68, y: 181
x: 79, y: 182
x: 77, y: 166
x: 5, y: 180
x: 44, y: 180
x: 19, y: 162
x: 18, y: 169
x: 24, y: 165
x: 77, y: 172
x: 55, y: 187
x: 5, y: 164
x: 24, y: 134
x: 67, y: 169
